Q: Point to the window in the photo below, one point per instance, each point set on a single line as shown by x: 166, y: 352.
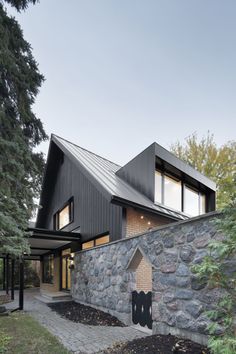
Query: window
x: 48, y: 269
x: 172, y: 193
x: 102, y: 240
x: 202, y: 204
x: 64, y: 216
x: 168, y: 191
x: 96, y: 242
x: 87, y: 245
x: 194, y: 202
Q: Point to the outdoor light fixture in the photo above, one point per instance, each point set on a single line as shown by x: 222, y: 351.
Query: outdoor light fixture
x: 141, y: 217
x: 71, y: 259
x: 149, y: 222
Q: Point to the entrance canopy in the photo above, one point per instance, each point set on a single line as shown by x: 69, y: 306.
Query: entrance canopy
x: 43, y: 241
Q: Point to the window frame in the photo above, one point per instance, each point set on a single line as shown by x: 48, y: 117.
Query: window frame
x: 183, y: 185
x: 56, y: 216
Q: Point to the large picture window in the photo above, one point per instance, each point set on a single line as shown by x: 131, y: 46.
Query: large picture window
x: 64, y: 216
x: 48, y: 269
x: 168, y: 191
x: 172, y: 193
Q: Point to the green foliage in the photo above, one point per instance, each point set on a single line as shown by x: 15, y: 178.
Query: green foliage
x: 219, y: 269
x: 20, y: 132
x: 217, y: 163
x: 20, y: 4
x: 4, y: 341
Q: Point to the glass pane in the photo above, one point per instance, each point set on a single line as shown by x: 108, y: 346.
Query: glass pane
x: 202, y: 203
x: 158, y: 187
x: 64, y: 270
x: 68, y: 276
x: 102, y: 240
x: 191, y: 202
x: 65, y: 252
x: 64, y: 217
x: 172, y: 193
x: 48, y: 269
x: 88, y: 244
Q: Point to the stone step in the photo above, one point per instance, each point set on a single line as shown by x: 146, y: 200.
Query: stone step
x: 50, y: 297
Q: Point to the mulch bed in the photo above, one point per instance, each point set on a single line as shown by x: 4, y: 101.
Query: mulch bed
x: 158, y: 344
x: 76, y: 312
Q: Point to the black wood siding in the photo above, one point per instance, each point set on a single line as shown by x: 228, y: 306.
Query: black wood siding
x: 93, y: 213
x: 140, y: 172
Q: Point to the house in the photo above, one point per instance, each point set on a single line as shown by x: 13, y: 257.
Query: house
x: 87, y: 201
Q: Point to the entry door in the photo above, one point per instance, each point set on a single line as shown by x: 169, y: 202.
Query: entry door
x: 65, y: 270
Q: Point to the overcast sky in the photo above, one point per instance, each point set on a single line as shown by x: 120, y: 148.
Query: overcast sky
x: 121, y: 74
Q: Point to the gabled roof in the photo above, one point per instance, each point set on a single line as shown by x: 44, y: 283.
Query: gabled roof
x: 102, y: 173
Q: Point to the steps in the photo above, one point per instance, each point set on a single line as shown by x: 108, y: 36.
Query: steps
x: 51, y: 297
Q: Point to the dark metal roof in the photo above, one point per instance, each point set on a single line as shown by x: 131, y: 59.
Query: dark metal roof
x: 102, y: 173
x: 182, y: 166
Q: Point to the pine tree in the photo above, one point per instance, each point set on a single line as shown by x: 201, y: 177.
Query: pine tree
x: 20, y: 132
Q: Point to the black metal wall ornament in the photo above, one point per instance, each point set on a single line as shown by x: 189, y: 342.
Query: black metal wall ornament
x: 142, y: 308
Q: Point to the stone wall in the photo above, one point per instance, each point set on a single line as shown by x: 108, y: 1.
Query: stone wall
x: 104, y: 278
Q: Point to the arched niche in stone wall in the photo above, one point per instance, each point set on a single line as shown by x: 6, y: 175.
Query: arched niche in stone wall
x: 141, y: 265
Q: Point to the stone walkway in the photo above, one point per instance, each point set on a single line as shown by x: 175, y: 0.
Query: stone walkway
x: 76, y: 337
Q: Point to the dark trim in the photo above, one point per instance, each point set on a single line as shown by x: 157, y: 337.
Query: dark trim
x: 55, y: 238
x: 4, y: 274
x: 42, y: 248
x: 7, y: 274
x: 12, y: 278
x: 122, y: 202
x: 182, y: 166
x: 124, y: 222
x: 21, y: 290
x: 53, y: 232
x: 56, y: 221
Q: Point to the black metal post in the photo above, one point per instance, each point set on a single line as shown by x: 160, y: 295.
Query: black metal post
x: 7, y: 274
x: 12, y: 278
x: 21, y: 290
x: 4, y: 274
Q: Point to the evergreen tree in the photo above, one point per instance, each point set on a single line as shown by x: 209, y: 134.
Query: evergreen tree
x: 217, y: 163
x: 20, y: 132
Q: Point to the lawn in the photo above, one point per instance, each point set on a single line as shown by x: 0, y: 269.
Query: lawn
x: 21, y: 334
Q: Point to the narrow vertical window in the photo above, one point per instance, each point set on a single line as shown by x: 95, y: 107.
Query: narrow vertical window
x: 48, y: 269
x: 191, y: 201
x: 172, y: 193
x: 202, y: 203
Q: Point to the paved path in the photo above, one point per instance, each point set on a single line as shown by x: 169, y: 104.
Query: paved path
x: 76, y: 337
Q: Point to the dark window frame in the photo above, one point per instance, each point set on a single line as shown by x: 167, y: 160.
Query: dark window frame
x: 56, y: 216
x: 183, y: 185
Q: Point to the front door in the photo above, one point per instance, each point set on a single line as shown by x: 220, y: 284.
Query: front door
x: 65, y: 270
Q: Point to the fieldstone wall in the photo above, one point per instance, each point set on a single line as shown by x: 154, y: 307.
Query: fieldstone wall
x: 102, y: 277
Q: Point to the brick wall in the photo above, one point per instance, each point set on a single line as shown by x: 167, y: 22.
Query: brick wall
x: 144, y: 276
x: 138, y: 222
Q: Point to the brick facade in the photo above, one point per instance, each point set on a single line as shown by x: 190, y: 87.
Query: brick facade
x: 144, y: 276
x: 138, y: 222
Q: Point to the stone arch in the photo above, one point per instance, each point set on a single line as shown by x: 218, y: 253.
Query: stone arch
x: 141, y: 265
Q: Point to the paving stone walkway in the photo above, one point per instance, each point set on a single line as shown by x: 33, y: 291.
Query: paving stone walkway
x: 76, y: 337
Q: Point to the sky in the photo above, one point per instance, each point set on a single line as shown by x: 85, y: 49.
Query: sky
x: 121, y: 74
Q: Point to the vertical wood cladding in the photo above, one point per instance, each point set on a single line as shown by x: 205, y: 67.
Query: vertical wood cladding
x: 140, y: 172
x: 93, y: 213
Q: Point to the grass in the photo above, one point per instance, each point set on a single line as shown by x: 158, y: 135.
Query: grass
x: 21, y: 334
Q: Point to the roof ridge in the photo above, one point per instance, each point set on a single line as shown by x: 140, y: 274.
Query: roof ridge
x: 101, y: 157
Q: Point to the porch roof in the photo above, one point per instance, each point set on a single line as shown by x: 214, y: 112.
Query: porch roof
x: 43, y: 241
